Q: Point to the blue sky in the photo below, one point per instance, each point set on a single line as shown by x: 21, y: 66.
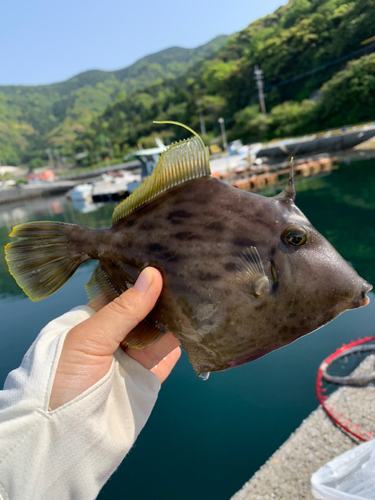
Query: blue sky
x: 44, y: 41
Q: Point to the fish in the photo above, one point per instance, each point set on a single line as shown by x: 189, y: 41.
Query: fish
x: 243, y: 274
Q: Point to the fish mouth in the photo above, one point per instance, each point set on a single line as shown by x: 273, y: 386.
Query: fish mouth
x: 364, y: 300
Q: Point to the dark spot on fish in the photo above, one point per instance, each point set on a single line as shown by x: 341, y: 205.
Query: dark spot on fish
x: 155, y: 247
x: 215, y: 226
x: 272, y: 253
x: 130, y: 223
x: 293, y: 330
x: 177, y: 222
x: 285, y: 334
x: 187, y: 236
x: 292, y: 315
x: 130, y: 244
x: 230, y: 266
x: 170, y: 257
x: 182, y: 214
x: 147, y: 226
x: 258, y: 214
x: 208, y: 277
x: 242, y: 242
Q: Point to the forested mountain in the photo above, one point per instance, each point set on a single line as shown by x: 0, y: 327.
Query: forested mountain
x: 319, y: 72
x: 303, y: 49
x: 33, y: 118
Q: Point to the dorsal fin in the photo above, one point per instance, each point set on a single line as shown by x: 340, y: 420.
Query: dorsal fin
x: 181, y: 162
x: 290, y: 191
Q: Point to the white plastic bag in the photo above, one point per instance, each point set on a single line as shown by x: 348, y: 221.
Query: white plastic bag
x: 350, y: 476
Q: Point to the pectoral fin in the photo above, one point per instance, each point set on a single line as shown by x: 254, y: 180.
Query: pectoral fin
x: 250, y: 275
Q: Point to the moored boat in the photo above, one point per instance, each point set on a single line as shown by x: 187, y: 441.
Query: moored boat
x: 331, y: 141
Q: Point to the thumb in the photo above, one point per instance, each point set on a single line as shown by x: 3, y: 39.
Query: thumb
x: 88, y: 347
x: 101, y: 334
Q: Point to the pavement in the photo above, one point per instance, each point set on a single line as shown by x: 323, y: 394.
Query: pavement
x: 286, y: 474
x: 367, y: 145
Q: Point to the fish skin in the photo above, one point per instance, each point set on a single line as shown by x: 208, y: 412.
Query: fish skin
x: 194, y: 234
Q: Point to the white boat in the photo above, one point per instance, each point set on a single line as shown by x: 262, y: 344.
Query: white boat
x: 149, y: 159
x: 313, y: 144
x: 114, y: 187
x: 81, y: 192
x: 238, y: 156
x: 110, y: 187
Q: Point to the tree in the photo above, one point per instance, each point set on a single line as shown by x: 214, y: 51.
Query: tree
x: 349, y: 97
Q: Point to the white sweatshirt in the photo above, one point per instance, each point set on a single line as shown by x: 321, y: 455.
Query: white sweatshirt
x: 70, y: 452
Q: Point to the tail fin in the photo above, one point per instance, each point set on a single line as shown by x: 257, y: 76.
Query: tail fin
x: 41, y: 263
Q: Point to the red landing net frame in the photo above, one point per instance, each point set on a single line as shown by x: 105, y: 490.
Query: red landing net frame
x: 345, y: 424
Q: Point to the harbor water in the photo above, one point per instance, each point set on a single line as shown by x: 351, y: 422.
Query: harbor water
x: 204, y: 440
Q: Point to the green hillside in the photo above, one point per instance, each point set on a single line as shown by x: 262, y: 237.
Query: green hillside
x: 33, y: 118
x: 304, y: 49
x: 317, y: 71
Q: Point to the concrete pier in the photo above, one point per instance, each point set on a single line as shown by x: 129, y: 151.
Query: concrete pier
x: 286, y: 474
x: 35, y: 191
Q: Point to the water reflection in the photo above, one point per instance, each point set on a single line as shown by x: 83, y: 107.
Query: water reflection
x: 85, y: 206
x: 342, y: 207
x: 55, y: 209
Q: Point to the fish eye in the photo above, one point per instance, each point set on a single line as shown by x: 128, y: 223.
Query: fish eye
x: 295, y: 236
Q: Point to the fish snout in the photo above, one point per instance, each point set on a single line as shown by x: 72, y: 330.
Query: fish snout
x: 363, y: 299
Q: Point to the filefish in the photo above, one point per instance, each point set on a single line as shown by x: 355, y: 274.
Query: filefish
x: 243, y: 274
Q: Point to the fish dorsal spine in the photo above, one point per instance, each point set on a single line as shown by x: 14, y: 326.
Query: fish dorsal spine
x: 181, y: 162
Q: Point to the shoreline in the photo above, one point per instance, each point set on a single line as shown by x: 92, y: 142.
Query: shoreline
x: 286, y: 474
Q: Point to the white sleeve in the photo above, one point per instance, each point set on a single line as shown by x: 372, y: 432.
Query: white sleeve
x: 68, y: 453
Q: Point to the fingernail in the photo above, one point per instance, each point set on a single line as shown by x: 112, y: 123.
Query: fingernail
x: 144, y: 281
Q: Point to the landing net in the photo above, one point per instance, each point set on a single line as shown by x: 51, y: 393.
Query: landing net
x: 352, y: 366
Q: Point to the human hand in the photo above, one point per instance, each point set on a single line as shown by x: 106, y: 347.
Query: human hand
x: 88, y: 349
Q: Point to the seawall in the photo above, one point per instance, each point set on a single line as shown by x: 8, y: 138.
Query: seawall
x: 286, y: 474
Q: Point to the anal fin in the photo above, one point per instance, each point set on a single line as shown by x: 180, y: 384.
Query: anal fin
x: 100, y: 289
x: 105, y: 285
x: 143, y: 335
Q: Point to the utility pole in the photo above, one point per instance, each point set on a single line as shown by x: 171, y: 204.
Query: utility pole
x: 201, y: 118
x: 258, y: 73
x: 223, y: 134
x: 110, y: 147
x: 50, y: 158
x: 57, y: 156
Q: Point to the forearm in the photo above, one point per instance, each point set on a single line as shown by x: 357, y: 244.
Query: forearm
x: 70, y: 452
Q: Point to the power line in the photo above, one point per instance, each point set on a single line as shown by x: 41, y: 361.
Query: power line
x: 320, y: 68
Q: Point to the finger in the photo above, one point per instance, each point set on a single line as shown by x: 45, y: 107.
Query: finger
x: 150, y: 356
x: 101, y: 334
x: 166, y: 365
